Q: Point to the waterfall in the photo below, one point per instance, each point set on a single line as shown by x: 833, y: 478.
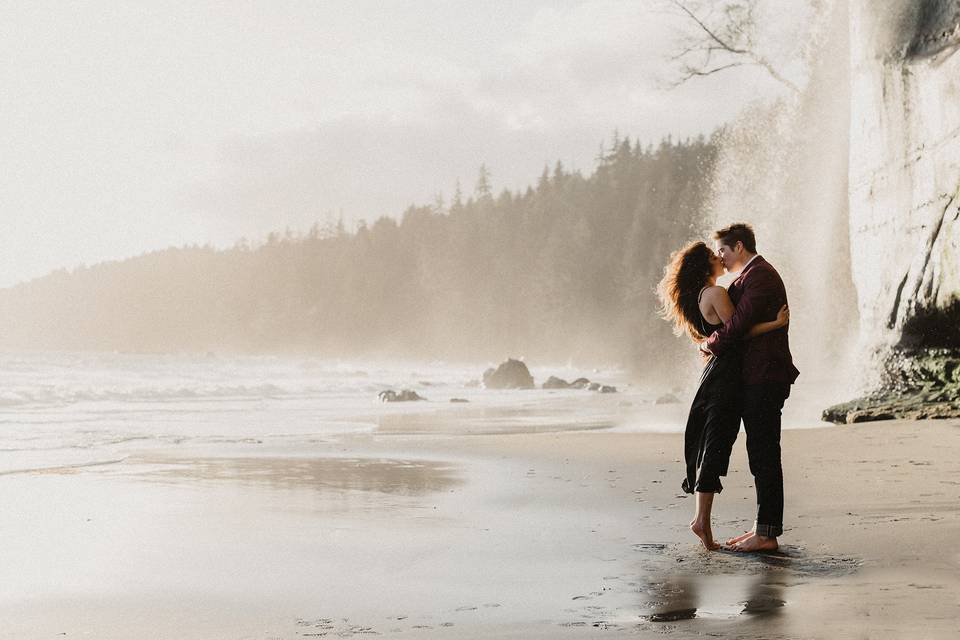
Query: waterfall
x: 784, y: 169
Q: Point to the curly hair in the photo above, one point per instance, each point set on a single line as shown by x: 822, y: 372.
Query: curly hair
x: 684, y: 276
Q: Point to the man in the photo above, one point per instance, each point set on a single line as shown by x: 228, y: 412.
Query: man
x: 768, y: 371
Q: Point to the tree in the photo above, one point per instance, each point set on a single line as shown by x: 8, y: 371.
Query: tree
x: 457, y: 204
x: 544, y: 182
x: 483, y: 190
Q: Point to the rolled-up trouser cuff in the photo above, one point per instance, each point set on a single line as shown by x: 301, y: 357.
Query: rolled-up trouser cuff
x: 709, y: 487
x: 702, y: 487
x: 768, y: 530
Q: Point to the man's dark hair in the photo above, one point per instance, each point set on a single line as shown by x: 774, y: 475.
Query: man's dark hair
x: 739, y: 231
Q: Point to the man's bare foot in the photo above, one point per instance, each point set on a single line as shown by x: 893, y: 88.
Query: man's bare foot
x: 756, y: 543
x: 740, y: 538
x: 704, y: 532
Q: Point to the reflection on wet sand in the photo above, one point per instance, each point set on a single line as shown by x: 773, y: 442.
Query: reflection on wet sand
x: 726, y: 586
x: 704, y: 596
x: 383, y: 475
x: 765, y: 598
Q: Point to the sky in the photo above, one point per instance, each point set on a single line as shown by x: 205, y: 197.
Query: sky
x: 129, y: 127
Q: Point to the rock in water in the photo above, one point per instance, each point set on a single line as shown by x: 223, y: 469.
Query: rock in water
x: 458, y: 400
x: 667, y: 398
x: 512, y: 374
x: 580, y: 383
x: 556, y: 383
x: 406, y: 395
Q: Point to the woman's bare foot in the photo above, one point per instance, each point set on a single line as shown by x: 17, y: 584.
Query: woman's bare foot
x: 740, y: 538
x: 756, y: 543
x: 704, y: 532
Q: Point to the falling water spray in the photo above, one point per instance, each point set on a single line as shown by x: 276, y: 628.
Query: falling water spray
x: 783, y: 168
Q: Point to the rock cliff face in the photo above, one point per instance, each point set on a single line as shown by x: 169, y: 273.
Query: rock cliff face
x: 905, y: 190
x: 905, y: 171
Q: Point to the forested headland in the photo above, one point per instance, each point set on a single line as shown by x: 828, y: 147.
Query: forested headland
x: 564, y: 269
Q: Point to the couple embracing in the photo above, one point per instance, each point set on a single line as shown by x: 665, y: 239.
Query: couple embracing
x: 742, y: 333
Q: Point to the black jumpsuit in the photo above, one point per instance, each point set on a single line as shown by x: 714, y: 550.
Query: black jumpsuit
x: 714, y: 420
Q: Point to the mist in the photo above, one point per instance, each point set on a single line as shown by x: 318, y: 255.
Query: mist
x: 341, y: 318
x: 134, y: 129
x: 464, y: 185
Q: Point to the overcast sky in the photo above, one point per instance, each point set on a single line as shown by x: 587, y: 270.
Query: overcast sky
x: 127, y: 127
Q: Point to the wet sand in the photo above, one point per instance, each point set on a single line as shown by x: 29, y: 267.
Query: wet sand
x: 411, y: 534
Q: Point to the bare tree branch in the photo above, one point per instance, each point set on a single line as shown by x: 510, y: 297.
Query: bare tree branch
x: 691, y: 72
x: 735, y: 39
x: 724, y: 45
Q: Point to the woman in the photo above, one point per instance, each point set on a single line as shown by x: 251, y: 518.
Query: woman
x: 691, y: 299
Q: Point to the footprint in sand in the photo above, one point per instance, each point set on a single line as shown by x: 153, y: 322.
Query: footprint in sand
x: 605, y: 625
x: 326, y: 626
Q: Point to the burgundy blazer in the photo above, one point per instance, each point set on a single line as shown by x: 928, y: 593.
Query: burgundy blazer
x: 758, y: 293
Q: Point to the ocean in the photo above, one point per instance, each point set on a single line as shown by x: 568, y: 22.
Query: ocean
x: 61, y: 410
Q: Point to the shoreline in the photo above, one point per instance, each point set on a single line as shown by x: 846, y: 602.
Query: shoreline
x: 556, y: 534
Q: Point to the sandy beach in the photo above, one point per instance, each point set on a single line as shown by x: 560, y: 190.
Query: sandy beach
x: 416, y: 534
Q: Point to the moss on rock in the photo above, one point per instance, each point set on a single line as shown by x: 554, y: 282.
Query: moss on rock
x: 918, y: 384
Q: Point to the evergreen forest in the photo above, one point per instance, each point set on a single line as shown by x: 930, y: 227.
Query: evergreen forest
x: 562, y: 271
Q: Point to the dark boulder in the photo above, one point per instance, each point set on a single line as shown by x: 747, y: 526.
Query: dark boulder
x: 920, y: 384
x: 512, y: 374
x: 580, y: 383
x: 554, y: 382
x: 406, y: 395
x: 458, y: 400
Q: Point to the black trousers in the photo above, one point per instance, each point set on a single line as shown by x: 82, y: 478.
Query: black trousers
x: 762, y: 405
